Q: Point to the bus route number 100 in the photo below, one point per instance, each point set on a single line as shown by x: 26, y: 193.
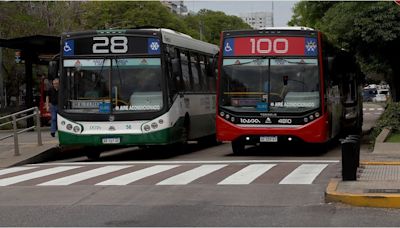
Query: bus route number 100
x: 266, y: 46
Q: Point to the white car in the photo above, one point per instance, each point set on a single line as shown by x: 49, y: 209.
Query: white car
x: 381, y: 95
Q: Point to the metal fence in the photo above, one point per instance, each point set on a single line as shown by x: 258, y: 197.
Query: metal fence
x: 18, y: 116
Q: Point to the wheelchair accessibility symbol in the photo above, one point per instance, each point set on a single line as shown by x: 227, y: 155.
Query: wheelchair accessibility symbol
x: 67, y: 48
x: 228, y: 47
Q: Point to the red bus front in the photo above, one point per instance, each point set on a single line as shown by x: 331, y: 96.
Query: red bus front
x: 271, y: 87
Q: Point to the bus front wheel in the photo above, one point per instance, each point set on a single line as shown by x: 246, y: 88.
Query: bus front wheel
x: 238, y: 147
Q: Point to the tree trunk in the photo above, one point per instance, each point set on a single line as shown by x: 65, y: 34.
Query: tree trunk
x: 395, y: 85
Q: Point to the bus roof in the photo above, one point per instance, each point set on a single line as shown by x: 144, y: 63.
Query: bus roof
x: 293, y: 28
x: 182, y: 40
x: 297, y: 31
x: 168, y: 36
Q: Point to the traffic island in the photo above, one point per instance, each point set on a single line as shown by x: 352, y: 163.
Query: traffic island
x: 378, y: 185
x: 378, y: 178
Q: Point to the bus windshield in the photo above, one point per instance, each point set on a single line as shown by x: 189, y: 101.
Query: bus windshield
x: 102, y: 86
x: 270, y: 85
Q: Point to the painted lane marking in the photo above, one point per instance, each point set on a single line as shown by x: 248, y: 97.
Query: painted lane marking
x: 304, y: 174
x: 190, y: 162
x: 37, y: 174
x: 191, y: 175
x: 137, y: 175
x: 84, y: 175
x: 247, y: 174
x: 15, y: 169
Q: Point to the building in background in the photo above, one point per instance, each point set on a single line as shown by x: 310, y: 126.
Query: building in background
x: 258, y: 20
x: 176, y: 7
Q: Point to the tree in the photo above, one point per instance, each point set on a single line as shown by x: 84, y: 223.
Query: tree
x: 105, y: 15
x: 370, y: 30
x: 309, y: 13
x: 212, y: 23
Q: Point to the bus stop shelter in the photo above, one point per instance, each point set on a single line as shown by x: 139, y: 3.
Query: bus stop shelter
x: 37, y: 49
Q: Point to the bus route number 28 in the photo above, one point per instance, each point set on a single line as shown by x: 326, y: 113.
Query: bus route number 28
x: 266, y: 46
x: 105, y: 45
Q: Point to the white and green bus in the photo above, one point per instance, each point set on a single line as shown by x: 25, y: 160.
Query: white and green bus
x: 135, y: 87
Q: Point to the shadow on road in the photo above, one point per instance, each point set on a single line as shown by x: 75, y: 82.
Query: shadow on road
x: 288, y: 150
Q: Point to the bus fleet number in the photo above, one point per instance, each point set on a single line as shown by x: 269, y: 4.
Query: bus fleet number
x: 265, y: 46
x: 104, y: 45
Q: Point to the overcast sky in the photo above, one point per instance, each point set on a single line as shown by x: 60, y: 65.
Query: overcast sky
x: 282, y: 9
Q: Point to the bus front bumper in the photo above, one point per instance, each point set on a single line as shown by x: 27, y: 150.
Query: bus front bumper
x: 313, y: 132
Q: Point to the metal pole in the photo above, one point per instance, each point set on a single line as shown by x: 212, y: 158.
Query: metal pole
x: 2, y: 100
x: 272, y: 14
x: 39, y: 132
x: 16, y: 146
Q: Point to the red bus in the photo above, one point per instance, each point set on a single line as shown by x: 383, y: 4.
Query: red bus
x: 284, y: 85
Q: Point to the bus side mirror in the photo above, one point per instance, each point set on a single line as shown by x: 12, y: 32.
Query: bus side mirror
x: 53, y: 70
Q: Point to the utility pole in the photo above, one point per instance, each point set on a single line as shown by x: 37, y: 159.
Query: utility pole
x: 2, y: 100
x: 201, y: 29
x: 272, y: 11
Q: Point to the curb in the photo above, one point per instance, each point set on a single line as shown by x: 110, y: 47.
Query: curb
x: 379, y: 163
x: 361, y: 199
x: 43, y: 156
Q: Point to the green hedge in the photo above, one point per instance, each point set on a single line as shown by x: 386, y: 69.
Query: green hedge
x: 390, y: 118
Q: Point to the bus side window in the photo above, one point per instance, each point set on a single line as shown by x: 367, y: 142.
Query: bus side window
x: 173, y: 72
x: 204, y: 76
x: 185, y: 71
x: 195, y: 72
x: 211, y: 75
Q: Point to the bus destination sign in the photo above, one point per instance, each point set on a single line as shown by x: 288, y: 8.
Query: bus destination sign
x: 104, y: 45
x: 269, y: 45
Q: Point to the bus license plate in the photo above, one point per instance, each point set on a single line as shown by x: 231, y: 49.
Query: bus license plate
x: 111, y: 140
x: 269, y: 139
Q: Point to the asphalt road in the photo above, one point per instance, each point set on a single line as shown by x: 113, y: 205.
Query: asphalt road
x: 202, y: 187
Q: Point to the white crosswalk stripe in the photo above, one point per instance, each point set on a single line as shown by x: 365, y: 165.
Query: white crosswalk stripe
x: 33, y: 175
x: 247, y: 174
x: 165, y: 174
x: 191, y: 175
x: 15, y: 169
x: 304, y: 174
x: 137, y: 175
x: 85, y: 175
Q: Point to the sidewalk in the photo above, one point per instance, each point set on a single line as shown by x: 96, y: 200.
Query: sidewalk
x: 378, y: 179
x: 28, y: 147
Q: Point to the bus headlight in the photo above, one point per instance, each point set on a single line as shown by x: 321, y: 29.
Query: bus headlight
x: 227, y: 116
x: 69, y: 127
x: 63, y: 123
x: 154, y: 125
x: 233, y: 119
x: 316, y: 114
x: 305, y: 119
x: 311, y: 117
x: 222, y: 114
x: 77, y: 129
x: 160, y: 121
x: 146, y: 127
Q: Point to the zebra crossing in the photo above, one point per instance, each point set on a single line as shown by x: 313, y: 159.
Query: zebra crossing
x: 373, y: 111
x: 174, y: 174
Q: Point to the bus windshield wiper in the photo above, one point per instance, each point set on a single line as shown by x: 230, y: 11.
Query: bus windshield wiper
x: 239, y: 64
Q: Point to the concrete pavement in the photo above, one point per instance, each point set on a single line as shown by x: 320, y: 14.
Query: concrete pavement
x: 28, y: 148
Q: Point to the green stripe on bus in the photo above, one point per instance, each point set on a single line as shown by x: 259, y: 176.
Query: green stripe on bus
x: 162, y: 137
